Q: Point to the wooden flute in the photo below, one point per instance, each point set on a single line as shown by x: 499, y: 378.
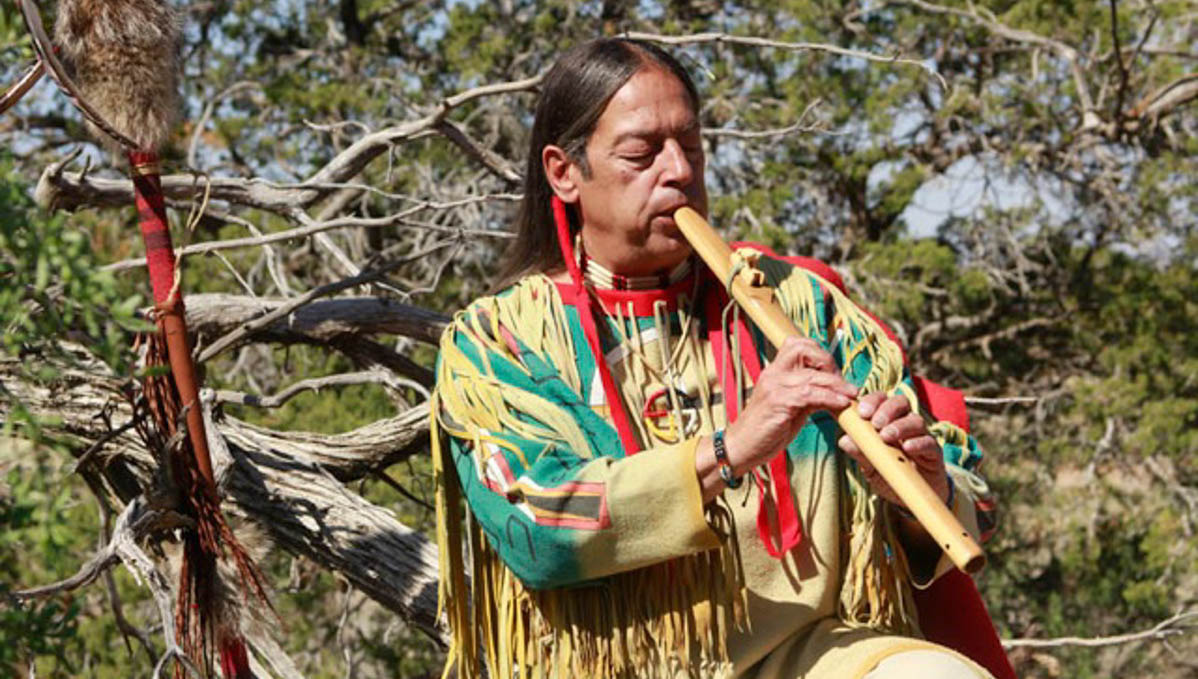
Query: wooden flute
x: 894, y: 466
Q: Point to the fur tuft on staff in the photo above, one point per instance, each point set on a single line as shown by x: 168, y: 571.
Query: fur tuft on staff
x: 124, y: 57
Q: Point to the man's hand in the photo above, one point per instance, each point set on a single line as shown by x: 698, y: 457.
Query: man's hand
x: 802, y: 379
x: 905, y: 430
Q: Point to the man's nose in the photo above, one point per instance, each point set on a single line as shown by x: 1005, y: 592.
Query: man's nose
x: 679, y: 170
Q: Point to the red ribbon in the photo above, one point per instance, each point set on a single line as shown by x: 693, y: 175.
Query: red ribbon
x: 790, y: 527
x: 582, y: 300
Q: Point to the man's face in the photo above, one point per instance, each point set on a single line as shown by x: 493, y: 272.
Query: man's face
x: 646, y: 160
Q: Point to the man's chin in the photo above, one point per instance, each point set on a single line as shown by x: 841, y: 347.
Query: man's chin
x: 668, y: 248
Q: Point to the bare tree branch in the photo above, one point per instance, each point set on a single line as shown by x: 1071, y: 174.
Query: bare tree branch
x: 312, y: 229
x: 284, y: 482
x: 352, y: 160
x: 484, y: 156
x: 999, y: 401
x: 699, y: 38
x: 306, y: 511
x: 244, y: 331
x: 21, y: 87
x: 1163, y: 630
x: 799, y: 126
x: 314, y: 384
x: 57, y: 190
x: 1067, y: 53
x: 134, y: 524
x: 1164, y: 100
x: 1118, y: 58
x: 209, y: 109
x: 210, y: 315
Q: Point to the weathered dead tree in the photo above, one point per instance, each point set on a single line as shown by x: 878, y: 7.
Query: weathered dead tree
x: 290, y: 485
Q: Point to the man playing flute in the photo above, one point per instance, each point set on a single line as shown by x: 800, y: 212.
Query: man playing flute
x: 651, y: 490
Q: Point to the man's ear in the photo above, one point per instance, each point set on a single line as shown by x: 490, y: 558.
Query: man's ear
x: 561, y: 171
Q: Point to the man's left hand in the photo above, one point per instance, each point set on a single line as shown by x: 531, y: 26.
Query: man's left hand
x: 905, y: 430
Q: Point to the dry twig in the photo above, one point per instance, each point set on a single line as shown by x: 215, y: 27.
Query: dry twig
x: 1162, y: 631
x: 751, y: 41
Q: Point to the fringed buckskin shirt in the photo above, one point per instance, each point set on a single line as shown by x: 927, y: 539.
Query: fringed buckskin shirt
x: 575, y: 559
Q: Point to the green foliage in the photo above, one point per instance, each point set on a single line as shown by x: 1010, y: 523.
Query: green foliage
x: 1090, y: 539
x: 1143, y: 341
x: 48, y: 528
x: 29, y: 518
x: 44, y: 263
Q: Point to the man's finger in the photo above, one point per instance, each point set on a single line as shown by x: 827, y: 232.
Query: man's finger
x: 869, y: 403
x: 833, y: 381
x: 903, y: 428
x: 922, y: 447
x: 891, y: 409
x: 875, y: 480
x: 811, y: 397
x: 804, y: 352
x: 848, y: 446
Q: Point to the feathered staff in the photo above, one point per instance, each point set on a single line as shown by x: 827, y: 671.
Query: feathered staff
x: 122, y: 66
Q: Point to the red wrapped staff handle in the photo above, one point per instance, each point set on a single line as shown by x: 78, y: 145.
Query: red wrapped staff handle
x: 160, y: 260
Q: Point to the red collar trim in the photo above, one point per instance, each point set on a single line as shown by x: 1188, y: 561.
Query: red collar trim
x: 642, y: 301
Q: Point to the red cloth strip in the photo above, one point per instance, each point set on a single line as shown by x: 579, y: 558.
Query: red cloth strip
x: 945, y: 404
x: 790, y: 526
x: 582, y: 300
x: 234, y: 660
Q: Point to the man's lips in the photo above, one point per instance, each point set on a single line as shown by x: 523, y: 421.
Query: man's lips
x: 668, y: 214
x: 665, y: 219
x: 669, y: 211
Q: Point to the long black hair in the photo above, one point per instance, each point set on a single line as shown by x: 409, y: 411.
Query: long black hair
x: 574, y: 95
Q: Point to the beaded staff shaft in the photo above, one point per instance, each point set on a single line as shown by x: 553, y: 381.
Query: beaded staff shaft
x: 895, y: 467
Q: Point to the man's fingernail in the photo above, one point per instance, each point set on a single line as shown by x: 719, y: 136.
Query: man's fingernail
x: 866, y: 409
x: 888, y: 432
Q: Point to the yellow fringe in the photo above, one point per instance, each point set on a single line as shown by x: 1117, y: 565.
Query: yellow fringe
x: 875, y: 589
x: 664, y: 620
x: 671, y: 619
x: 660, y: 621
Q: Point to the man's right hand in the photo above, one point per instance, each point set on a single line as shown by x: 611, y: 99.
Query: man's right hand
x: 802, y: 379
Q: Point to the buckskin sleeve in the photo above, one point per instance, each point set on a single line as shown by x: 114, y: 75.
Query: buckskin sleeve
x: 547, y: 481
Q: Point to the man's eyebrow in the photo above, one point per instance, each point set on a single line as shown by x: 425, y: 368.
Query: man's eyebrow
x: 633, y: 134
x: 691, y: 127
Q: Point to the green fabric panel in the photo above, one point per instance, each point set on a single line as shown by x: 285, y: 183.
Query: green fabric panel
x: 540, y: 556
